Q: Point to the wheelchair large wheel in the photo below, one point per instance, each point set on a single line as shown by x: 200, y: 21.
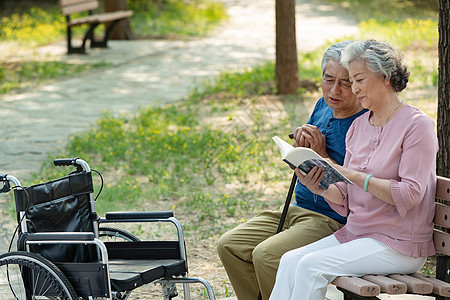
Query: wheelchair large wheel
x: 25, y: 275
x: 111, y: 234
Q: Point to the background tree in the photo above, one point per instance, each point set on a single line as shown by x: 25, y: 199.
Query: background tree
x: 121, y: 31
x: 443, y: 110
x: 286, y: 65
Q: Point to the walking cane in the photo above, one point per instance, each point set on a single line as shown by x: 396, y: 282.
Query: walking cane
x: 285, y: 210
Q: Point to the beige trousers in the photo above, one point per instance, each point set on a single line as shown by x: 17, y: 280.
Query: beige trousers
x: 251, y: 252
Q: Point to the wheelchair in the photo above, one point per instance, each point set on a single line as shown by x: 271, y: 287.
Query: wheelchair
x: 66, y: 251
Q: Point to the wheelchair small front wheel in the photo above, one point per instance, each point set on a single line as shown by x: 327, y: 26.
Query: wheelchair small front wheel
x: 25, y: 275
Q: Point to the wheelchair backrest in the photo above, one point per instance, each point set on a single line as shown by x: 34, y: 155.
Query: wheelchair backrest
x: 61, y: 205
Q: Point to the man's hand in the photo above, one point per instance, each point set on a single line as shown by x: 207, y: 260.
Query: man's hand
x: 299, y: 138
x: 309, y: 136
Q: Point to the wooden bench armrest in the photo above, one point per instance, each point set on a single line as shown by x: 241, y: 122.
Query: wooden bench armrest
x: 357, y: 285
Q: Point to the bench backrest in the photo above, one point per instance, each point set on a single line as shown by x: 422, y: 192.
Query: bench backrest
x: 442, y: 216
x: 69, y: 7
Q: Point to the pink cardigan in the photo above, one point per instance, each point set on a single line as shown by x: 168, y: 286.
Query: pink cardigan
x: 404, y: 151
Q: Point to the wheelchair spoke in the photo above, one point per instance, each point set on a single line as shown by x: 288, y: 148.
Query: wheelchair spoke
x: 111, y: 234
x: 29, y: 276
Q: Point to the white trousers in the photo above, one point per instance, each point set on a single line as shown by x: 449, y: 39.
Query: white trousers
x: 304, y: 273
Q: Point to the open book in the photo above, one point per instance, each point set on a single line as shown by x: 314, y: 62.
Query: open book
x: 305, y: 159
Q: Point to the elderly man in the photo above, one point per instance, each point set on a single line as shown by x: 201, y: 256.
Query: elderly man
x: 251, y: 252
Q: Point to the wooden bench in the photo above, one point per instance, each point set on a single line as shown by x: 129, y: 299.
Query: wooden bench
x: 69, y: 7
x: 370, y: 286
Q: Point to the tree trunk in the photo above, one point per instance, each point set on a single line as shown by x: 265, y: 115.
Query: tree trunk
x: 122, y: 30
x: 443, y: 110
x: 286, y: 65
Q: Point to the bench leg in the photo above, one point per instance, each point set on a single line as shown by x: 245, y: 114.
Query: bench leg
x: 104, y: 43
x: 443, y: 271
x: 90, y: 36
x: 70, y: 48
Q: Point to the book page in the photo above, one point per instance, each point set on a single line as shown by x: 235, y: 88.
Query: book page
x: 298, y: 155
x: 283, y: 146
x: 305, y: 159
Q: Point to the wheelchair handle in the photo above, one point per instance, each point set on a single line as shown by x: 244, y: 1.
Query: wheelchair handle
x: 6, y: 179
x: 80, y: 164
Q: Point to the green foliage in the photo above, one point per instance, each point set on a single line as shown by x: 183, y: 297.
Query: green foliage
x: 128, y: 190
x: 404, y: 23
x: 309, y: 64
x: 389, y: 10
x: 186, y: 18
x: 410, y: 33
x: 258, y: 80
x: 253, y: 81
x: 36, y: 26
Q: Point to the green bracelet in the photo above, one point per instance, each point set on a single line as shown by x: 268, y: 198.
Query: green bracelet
x: 366, y: 182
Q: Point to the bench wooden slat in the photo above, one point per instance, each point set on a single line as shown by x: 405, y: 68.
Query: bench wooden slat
x: 440, y: 287
x: 101, y: 18
x: 357, y: 285
x: 441, y: 241
x: 414, y: 285
x: 443, y: 188
x: 387, y: 285
x: 442, y: 215
x: 79, y: 7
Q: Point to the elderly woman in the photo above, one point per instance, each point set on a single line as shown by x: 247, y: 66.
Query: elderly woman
x: 390, y: 159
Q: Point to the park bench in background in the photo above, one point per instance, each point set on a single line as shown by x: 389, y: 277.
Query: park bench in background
x: 370, y: 286
x: 69, y: 7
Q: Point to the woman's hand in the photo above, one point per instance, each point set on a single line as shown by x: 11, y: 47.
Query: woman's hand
x: 349, y: 173
x: 312, y: 179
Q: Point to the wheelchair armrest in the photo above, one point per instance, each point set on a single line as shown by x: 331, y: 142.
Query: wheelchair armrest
x: 138, y: 215
x: 60, y: 236
x: 147, y: 216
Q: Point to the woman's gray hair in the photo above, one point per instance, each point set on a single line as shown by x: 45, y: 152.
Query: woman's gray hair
x: 334, y: 53
x: 380, y: 58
